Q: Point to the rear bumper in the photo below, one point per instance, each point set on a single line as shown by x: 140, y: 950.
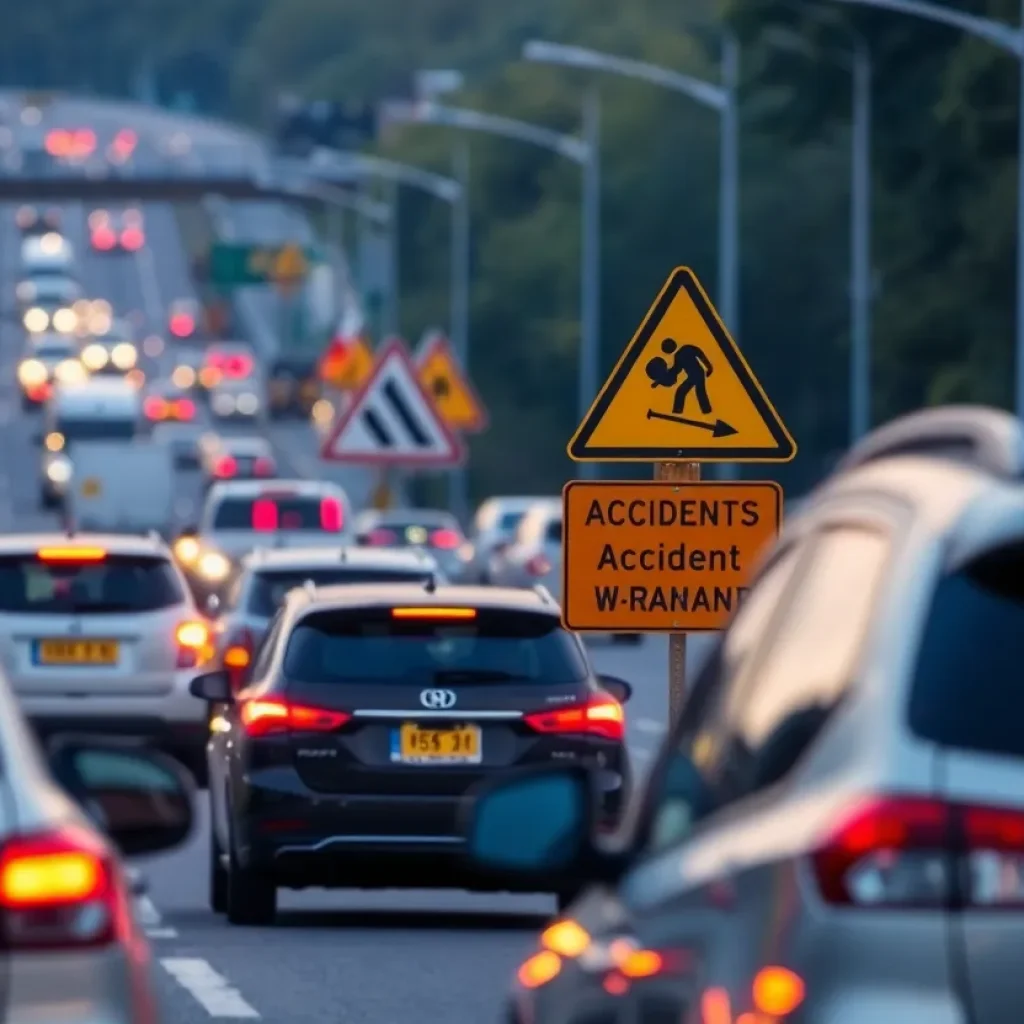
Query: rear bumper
x: 365, y: 841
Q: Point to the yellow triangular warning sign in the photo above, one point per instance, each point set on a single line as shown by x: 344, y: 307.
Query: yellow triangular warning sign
x: 444, y: 381
x: 355, y: 371
x: 682, y: 392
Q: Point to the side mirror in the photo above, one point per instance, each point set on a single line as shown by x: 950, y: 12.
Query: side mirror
x: 214, y: 687
x: 618, y: 688
x: 535, y: 825
x: 212, y: 605
x: 142, y: 799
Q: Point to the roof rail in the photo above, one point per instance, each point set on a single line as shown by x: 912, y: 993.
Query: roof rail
x: 988, y: 439
x: 543, y: 593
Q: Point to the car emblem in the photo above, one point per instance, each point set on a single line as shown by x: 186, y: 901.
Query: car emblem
x: 438, y: 700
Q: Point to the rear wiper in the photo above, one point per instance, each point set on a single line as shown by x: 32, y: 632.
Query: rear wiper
x: 472, y: 675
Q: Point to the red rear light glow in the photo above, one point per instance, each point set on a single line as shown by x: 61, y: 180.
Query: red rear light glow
x: 155, y: 408
x: 132, y: 239
x: 264, y: 515
x: 381, y: 538
x: 236, y: 366
x: 601, y: 717
x: 71, y: 554
x: 446, y: 540
x: 184, y: 409
x: 264, y: 466
x: 225, y: 468
x: 538, y: 566
x: 433, y: 613
x: 104, y: 239
x: 60, y: 890
x: 903, y: 852
x: 181, y: 325
x: 58, y: 143
x: 266, y: 717
x: 331, y: 516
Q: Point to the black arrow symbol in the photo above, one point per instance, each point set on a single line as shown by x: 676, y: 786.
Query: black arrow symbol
x: 718, y: 429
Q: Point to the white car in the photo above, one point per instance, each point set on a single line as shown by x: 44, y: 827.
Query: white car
x: 493, y: 530
x: 47, y: 360
x: 99, y: 634
x: 47, y: 253
x: 48, y: 302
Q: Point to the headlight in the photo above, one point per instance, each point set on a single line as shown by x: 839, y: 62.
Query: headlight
x: 36, y: 320
x: 186, y: 550
x: 213, y: 566
x: 247, y: 404
x: 70, y: 371
x: 58, y: 470
x: 25, y: 292
x: 95, y: 357
x: 54, y: 441
x: 32, y: 373
x: 184, y: 377
x: 223, y: 405
x: 124, y: 356
x: 65, y: 320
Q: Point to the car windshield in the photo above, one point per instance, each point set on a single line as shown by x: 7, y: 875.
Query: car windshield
x: 371, y: 644
x: 53, y: 350
x: 269, y: 514
x: 119, y: 583
x: 95, y: 429
x: 270, y: 586
x: 973, y: 645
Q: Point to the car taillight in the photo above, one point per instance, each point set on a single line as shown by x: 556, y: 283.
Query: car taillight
x: 61, y: 890
x: 225, y: 468
x: 263, y: 467
x: 238, y: 656
x: 132, y: 239
x: 193, y: 644
x: 332, y: 519
x: 445, y: 540
x: 104, y: 239
x: 264, y: 515
x: 236, y: 367
x: 920, y: 853
x: 268, y: 717
x: 155, y: 408
x: 538, y: 565
x: 181, y: 325
x: 184, y: 409
x: 381, y: 538
x: 600, y: 717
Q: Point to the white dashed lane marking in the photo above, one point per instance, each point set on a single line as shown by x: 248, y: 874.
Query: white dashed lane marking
x: 152, y: 922
x: 211, y: 990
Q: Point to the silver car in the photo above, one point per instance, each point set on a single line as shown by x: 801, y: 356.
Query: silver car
x: 99, y: 633
x: 834, y: 829
x: 432, y: 530
x: 493, y: 530
x: 267, y: 575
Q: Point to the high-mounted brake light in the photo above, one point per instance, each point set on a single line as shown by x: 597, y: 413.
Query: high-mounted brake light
x: 600, y: 717
x: 445, y: 540
x: 331, y: 517
x: 263, y: 466
x: 225, y: 467
x: 266, y: 717
x: 71, y: 554
x: 433, y: 613
x: 264, y: 516
x: 184, y: 409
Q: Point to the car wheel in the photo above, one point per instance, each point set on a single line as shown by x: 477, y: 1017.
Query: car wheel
x: 218, y: 875
x: 251, y: 895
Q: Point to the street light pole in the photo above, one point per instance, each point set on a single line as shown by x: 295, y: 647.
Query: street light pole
x: 1010, y: 39
x: 458, y: 481
x: 861, y: 283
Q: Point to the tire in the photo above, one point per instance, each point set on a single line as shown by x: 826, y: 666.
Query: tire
x: 218, y: 883
x: 251, y: 897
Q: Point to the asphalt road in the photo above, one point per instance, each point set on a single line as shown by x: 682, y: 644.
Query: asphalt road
x: 350, y: 957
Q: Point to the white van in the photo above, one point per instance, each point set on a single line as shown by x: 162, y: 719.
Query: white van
x: 104, y: 409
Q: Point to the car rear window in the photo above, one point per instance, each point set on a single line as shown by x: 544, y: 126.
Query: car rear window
x: 965, y: 691
x: 96, y: 429
x: 270, y: 514
x: 118, y: 583
x: 372, y: 645
x: 508, y: 521
x: 269, y: 587
x: 553, y: 532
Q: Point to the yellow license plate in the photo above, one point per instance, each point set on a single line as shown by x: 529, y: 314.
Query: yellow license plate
x: 419, y: 745
x: 77, y: 652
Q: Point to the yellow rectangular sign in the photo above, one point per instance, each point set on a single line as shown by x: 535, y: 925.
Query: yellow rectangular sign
x: 655, y: 556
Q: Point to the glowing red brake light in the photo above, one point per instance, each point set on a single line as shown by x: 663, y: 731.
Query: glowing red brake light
x: 71, y: 554
x: 267, y: 717
x: 103, y: 239
x: 600, y: 717
x: 155, y: 408
x: 264, y: 516
x: 181, y: 325
x: 909, y: 852
x: 445, y: 540
x: 60, y: 890
x: 264, y: 466
x: 236, y: 366
x: 225, y: 468
x: 132, y: 239
x: 184, y: 409
x: 331, y: 516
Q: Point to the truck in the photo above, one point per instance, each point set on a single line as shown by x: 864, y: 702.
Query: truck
x: 122, y: 488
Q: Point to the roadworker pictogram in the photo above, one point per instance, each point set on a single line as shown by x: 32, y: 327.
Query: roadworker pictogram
x: 682, y: 391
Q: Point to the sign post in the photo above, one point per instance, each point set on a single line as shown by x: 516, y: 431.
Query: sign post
x: 681, y: 394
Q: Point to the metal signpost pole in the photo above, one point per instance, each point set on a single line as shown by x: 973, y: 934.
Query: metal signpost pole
x: 458, y: 480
